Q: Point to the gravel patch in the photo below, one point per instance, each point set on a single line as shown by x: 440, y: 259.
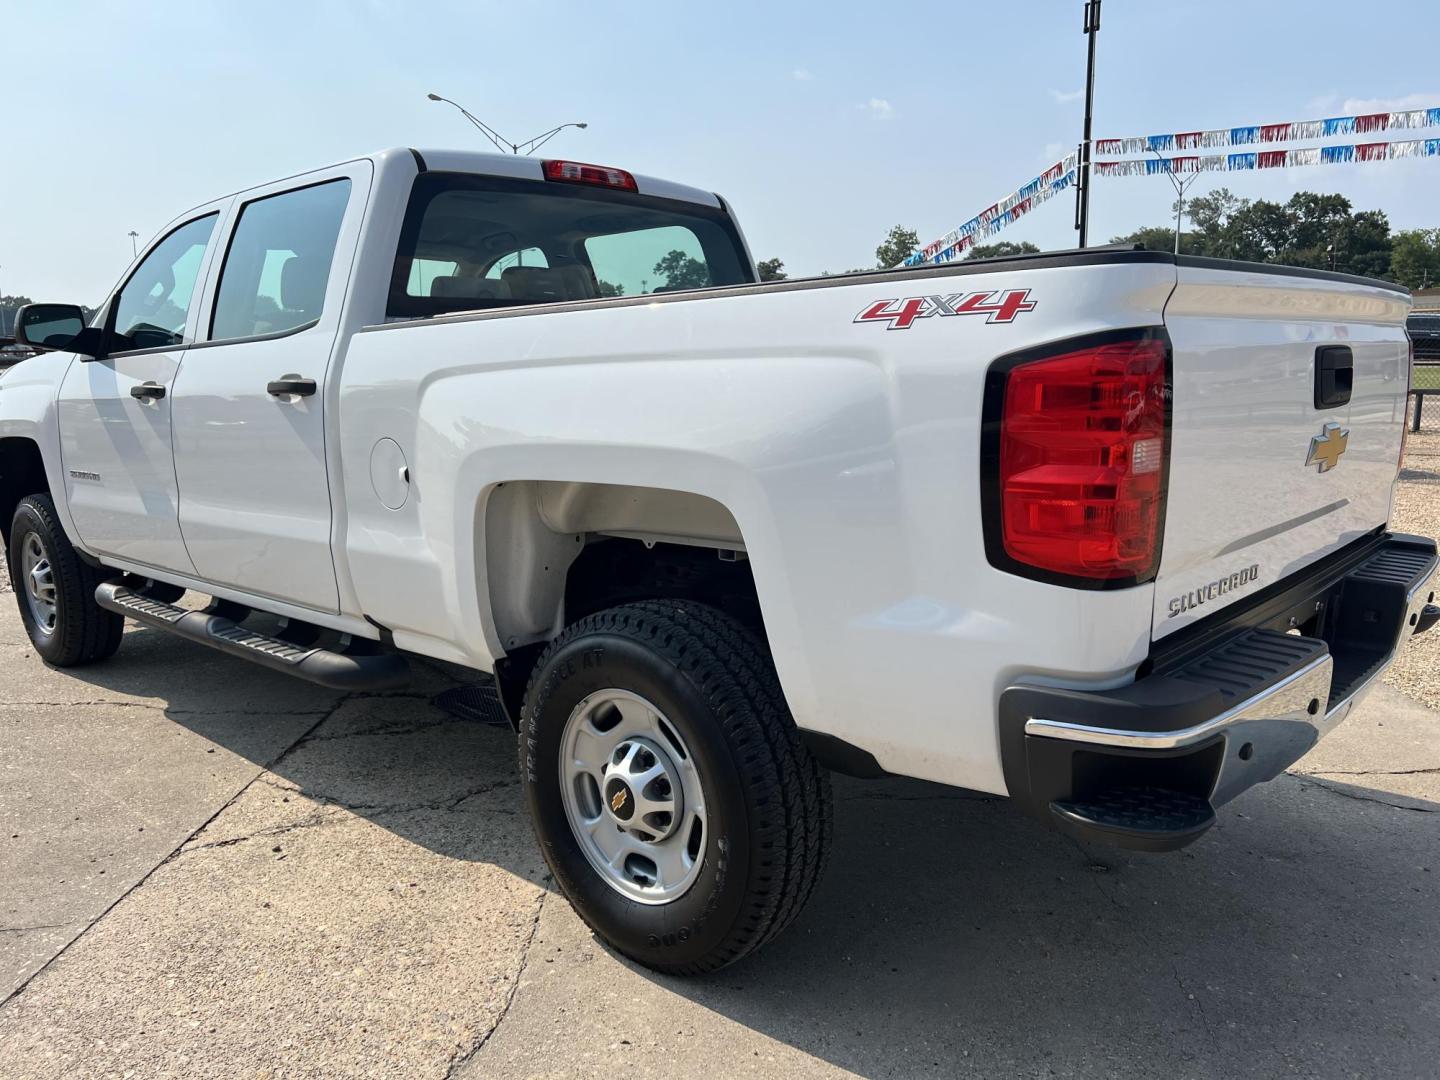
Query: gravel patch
x: 1417, y: 510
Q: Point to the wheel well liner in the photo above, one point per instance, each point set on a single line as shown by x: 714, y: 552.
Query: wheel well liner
x: 22, y: 472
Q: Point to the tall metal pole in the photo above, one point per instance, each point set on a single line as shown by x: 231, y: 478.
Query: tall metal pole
x: 1092, y: 28
x: 1180, y: 186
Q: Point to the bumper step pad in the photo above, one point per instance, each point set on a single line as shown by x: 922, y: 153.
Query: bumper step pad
x: 337, y: 669
x: 1141, y: 818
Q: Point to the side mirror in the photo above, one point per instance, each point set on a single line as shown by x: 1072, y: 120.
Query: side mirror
x: 55, y: 327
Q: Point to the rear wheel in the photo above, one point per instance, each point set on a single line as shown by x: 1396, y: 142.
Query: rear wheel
x: 672, y: 796
x: 56, y: 590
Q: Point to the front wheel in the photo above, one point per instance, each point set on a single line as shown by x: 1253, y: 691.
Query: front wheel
x: 56, y: 590
x: 670, y: 791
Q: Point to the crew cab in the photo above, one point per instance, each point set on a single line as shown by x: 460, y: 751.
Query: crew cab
x: 1104, y: 531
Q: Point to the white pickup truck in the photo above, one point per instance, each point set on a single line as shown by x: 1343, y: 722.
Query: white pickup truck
x: 1105, y: 530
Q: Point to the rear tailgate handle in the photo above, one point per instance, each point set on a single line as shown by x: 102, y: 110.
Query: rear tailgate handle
x: 1334, y: 376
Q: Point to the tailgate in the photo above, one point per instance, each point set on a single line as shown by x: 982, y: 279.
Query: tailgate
x: 1264, y: 477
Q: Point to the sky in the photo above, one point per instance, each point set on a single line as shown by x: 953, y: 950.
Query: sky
x: 823, y: 124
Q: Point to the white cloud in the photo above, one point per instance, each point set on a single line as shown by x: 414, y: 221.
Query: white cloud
x: 1065, y: 97
x: 1054, y: 151
x: 1321, y: 106
x: 1360, y: 106
x: 801, y: 75
x: 878, y: 108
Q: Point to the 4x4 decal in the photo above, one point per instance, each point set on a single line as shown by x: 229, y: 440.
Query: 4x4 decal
x: 1000, y: 307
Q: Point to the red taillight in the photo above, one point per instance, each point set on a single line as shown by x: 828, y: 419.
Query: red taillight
x: 1082, y: 461
x: 576, y: 172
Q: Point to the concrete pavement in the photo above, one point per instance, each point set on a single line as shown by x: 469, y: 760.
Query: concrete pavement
x: 331, y: 885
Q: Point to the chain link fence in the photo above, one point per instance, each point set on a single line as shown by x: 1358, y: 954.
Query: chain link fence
x: 1424, y: 406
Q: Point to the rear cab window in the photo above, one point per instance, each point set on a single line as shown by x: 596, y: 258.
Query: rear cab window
x: 473, y: 242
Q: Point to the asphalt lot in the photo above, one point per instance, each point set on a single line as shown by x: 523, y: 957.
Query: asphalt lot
x: 210, y: 870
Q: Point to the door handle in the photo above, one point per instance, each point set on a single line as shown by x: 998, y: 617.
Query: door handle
x: 147, y: 391
x: 291, y: 384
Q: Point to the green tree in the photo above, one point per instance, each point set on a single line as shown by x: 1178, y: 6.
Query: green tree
x: 1002, y: 249
x: 682, y: 271
x: 771, y: 270
x: 608, y: 288
x: 1311, y: 229
x: 898, y: 246
x: 1415, y: 258
x: 9, y: 305
x: 1160, y: 238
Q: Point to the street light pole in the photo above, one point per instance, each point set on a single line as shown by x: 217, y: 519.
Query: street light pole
x: 1082, y: 193
x: 134, y: 250
x: 503, y: 144
x: 1181, y: 186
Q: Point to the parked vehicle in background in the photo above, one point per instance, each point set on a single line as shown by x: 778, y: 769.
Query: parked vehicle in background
x: 1105, y: 531
x: 1424, y: 330
x: 11, y: 354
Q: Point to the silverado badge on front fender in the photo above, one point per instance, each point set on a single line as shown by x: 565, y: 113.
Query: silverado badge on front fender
x: 1326, y: 448
x: 901, y: 314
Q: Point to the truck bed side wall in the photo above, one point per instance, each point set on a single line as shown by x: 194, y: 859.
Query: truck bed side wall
x: 846, y: 453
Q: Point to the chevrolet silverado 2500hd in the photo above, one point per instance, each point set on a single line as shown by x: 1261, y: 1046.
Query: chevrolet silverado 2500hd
x: 1103, y: 530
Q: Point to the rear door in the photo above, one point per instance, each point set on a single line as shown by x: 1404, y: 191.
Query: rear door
x: 250, y: 399
x: 1287, y: 415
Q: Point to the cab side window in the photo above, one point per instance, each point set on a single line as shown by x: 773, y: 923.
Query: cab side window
x: 153, y: 306
x: 278, y: 265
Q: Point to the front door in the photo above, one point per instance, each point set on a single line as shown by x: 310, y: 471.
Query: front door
x: 249, y: 402
x: 115, y: 413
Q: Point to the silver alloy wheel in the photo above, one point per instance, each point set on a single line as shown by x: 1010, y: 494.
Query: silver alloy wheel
x: 632, y: 796
x: 38, y: 577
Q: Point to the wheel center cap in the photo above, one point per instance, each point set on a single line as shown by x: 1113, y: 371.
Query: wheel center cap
x: 641, y: 790
x: 619, y: 799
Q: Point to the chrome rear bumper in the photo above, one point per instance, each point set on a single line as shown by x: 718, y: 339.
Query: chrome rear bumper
x: 1146, y: 765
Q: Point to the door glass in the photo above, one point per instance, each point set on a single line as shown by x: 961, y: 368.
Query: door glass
x: 278, y: 264
x: 152, y: 308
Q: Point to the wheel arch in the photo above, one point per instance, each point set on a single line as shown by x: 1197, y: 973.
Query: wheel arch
x: 22, y: 473
x: 553, y: 551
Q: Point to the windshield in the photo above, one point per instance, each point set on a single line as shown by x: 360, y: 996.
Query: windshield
x: 473, y: 242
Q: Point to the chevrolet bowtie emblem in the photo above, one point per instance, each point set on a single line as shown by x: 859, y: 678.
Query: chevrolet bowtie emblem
x: 617, y: 801
x: 1326, y: 448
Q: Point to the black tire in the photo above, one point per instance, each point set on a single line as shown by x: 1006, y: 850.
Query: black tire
x: 767, y: 801
x: 84, y: 632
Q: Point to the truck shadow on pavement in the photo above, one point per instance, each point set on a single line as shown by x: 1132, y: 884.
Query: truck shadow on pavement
x: 951, y: 934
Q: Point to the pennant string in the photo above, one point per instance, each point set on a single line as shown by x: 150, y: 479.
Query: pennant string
x: 1293, y: 131
x: 1271, y: 159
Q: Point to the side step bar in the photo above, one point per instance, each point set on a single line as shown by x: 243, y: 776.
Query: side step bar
x: 337, y: 670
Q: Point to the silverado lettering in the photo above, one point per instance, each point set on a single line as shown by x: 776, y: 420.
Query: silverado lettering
x: 1211, y: 590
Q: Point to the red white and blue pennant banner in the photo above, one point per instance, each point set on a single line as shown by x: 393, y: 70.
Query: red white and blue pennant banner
x: 991, y: 220
x: 1271, y: 159
x: 1269, y: 133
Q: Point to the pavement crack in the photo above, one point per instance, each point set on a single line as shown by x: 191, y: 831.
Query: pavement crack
x: 1199, y: 1007
x: 1336, y: 789
x: 1372, y: 772
x: 28, y: 929
x: 310, y: 821
x: 458, y: 1059
x: 407, y: 727
x: 267, y: 767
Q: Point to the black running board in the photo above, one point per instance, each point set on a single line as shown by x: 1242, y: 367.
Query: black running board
x: 337, y: 670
